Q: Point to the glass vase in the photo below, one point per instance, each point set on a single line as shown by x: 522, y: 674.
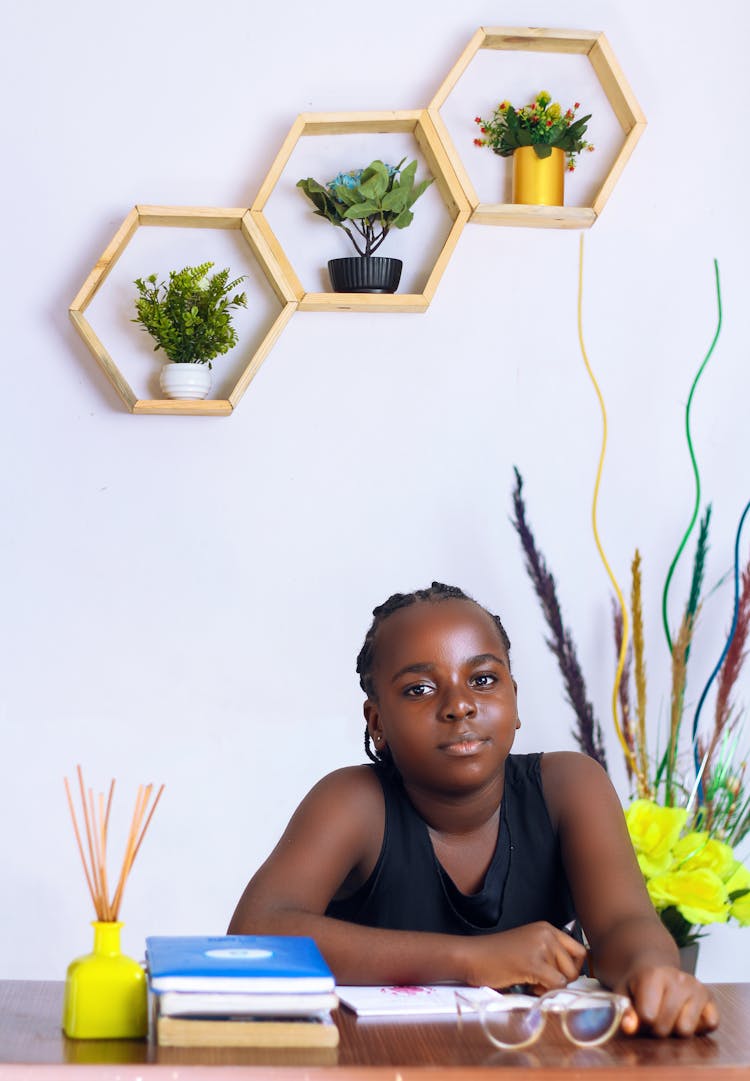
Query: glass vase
x: 105, y: 992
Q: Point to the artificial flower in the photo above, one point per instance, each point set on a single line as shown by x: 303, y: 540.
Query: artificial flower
x: 698, y: 849
x: 654, y: 830
x: 740, y: 908
x: 699, y: 896
x: 541, y: 123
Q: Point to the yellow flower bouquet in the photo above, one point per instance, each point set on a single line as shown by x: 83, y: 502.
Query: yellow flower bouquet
x: 693, y: 879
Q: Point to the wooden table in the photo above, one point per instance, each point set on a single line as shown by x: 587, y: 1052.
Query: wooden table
x: 32, y: 1046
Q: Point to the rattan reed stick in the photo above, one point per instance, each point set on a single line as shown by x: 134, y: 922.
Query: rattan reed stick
x: 96, y: 818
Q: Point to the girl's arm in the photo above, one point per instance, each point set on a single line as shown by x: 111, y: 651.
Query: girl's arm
x: 334, y: 838
x: 632, y: 951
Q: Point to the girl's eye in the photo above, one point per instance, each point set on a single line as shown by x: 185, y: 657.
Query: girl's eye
x: 417, y: 690
x: 484, y: 679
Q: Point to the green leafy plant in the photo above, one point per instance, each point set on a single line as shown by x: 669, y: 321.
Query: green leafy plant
x: 369, y: 201
x: 190, y: 316
x: 541, y: 124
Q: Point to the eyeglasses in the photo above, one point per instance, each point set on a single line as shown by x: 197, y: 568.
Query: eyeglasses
x: 512, y: 1022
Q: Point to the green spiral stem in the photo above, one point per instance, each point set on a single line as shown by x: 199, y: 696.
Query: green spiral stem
x: 683, y: 542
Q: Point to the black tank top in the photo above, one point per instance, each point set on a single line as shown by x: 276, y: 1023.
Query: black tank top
x: 408, y: 889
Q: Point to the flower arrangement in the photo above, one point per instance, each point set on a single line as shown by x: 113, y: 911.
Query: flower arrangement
x: 370, y: 201
x: 687, y: 817
x: 686, y: 820
x: 190, y: 316
x: 541, y: 124
x: 693, y: 879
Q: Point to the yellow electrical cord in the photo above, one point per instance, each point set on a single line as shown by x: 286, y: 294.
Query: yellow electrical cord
x: 621, y: 600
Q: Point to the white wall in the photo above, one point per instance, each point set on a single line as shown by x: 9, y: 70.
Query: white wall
x: 184, y: 597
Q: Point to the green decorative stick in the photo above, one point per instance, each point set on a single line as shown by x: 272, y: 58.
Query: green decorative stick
x: 683, y: 542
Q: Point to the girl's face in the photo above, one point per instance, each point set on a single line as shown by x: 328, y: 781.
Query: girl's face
x: 446, y: 701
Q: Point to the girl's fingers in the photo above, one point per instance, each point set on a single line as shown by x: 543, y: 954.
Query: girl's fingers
x: 689, y: 1016
x: 629, y: 1023
x: 646, y: 996
x: 570, y: 967
x: 669, y: 1002
x: 709, y: 1018
x: 569, y: 958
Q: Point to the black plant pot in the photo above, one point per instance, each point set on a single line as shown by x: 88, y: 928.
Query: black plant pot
x: 365, y: 274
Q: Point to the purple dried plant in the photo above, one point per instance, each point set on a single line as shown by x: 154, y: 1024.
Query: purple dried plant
x: 587, y: 731
x: 626, y: 712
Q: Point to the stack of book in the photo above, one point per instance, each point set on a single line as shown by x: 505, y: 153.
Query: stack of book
x: 240, y: 991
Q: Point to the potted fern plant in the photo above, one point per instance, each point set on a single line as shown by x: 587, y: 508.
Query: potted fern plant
x: 190, y: 318
x: 367, y: 204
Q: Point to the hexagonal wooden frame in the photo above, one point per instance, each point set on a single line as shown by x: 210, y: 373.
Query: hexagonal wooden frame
x: 416, y: 122
x: 590, y: 43
x: 185, y: 217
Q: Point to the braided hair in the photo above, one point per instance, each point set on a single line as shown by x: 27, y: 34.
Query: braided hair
x: 436, y: 593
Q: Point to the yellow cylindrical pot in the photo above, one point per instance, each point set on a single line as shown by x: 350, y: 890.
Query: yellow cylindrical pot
x: 538, y: 181
x: 105, y: 992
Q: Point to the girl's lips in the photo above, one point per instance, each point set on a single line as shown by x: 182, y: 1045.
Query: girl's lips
x: 467, y: 745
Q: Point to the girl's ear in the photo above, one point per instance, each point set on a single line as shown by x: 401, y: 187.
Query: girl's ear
x: 372, y: 717
x: 515, y: 691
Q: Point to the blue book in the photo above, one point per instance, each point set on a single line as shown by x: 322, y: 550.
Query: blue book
x: 257, y: 964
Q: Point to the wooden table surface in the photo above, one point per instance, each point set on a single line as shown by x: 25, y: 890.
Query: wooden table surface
x: 33, y: 1046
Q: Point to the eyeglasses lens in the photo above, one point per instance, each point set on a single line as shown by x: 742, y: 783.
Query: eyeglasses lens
x: 590, y: 1021
x: 514, y: 1026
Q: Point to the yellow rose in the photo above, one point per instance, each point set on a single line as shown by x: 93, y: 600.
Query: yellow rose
x: 554, y: 110
x: 740, y: 880
x: 696, y: 850
x: 699, y: 896
x: 654, y: 831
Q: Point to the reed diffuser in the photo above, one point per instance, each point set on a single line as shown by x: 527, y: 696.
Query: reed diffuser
x: 105, y: 991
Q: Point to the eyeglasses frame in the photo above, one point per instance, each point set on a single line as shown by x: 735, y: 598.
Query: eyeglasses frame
x: 545, y: 1005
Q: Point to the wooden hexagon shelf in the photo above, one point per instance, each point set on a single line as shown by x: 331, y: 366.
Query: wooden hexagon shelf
x: 596, y: 48
x: 185, y: 217
x: 416, y: 123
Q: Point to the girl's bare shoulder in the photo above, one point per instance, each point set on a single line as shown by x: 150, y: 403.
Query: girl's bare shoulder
x: 355, y: 786
x: 566, y: 766
x: 343, y: 801
x: 572, y: 780
x: 342, y: 819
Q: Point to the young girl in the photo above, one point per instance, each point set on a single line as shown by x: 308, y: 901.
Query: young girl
x: 451, y: 859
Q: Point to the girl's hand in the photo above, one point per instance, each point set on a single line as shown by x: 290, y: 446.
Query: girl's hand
x: 536, y: 954
x: 667, y: 1002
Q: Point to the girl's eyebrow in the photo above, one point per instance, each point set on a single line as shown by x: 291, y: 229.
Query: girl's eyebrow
x: 482, y: 658
x: 426, y: 666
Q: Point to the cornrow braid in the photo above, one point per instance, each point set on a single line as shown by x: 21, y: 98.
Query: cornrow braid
x: 436, y: 593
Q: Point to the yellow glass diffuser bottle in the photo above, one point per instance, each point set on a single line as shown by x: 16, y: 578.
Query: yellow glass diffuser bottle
x: 105, y: 991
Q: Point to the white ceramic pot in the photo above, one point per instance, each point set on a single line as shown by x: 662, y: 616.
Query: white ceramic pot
x: 185, y: 380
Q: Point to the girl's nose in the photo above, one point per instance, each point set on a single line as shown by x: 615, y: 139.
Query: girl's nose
x: 457, y: 705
